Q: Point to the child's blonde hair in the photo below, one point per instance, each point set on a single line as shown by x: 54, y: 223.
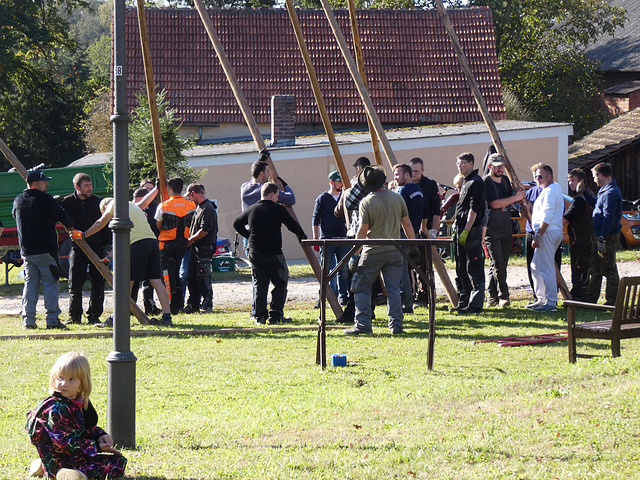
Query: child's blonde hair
x: 458, y: 180
x: 75, y: 365
x: 104, y: 203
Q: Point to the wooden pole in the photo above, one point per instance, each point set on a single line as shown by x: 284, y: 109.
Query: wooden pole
x: 357, y: 46
x: 257, y: 137
x: 362, y: 90
x: 84, y: 246
x: 317, y: 93
x: 153, y: 105
x: 488, y: 120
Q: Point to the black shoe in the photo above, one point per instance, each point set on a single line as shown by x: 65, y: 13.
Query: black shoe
x: 207, y: 310
x: 380, y: 299
x: 31, y: 326
x: 344, y: 301
x: 58, y: 325
x: 346, y: 319
x: 397, y: 331
x: 166, y: 321
x: 261, y: 320
x: 72, y: 320
x: 93, y: 319
x: 459, y: 308
x: 358, y: 331
x: 469, y: 310
x: 317, y: 305
x: 275, y: 321
x: 407, y: 309
x: 107, y: 323
x: 188, y: 309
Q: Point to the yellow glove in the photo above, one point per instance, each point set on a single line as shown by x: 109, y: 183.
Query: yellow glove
x: 463, y: 237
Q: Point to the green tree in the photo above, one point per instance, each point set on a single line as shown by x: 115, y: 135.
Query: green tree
x: 541, y: 51
x: 142, y: 162
x: 42, y: 79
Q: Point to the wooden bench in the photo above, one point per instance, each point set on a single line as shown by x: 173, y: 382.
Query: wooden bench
x: 625, y: 322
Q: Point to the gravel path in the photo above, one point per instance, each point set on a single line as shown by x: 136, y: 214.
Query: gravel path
x: 228, y: 294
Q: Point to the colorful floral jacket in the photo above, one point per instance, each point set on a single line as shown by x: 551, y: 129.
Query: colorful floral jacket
x: 66, y: 436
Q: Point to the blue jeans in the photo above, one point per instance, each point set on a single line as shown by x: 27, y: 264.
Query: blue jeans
x: 40, y: 268
x: 370, y: 265
x: 340, y: 282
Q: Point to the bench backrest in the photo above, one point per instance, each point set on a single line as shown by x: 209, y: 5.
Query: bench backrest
x: 627, y: 309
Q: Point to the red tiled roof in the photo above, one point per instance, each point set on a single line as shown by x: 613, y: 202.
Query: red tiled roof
x: 412, y: 71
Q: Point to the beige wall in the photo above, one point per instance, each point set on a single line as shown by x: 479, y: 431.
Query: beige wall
x: 305, y: 168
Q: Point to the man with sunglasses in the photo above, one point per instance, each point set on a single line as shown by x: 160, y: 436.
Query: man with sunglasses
x: 546, y: 219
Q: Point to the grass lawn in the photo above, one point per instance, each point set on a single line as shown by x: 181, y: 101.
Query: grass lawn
x: 256, y: 405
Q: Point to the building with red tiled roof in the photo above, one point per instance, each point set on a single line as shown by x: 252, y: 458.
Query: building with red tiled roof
x: 412, y: 71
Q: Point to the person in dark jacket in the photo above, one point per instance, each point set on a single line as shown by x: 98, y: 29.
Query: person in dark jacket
x: 607, y: 213
x: 84, y: 209
x: 470, y: 211
x: 36, y: 214
x: 202, y: 244
x: 580, y: 230
x: 264, y: 220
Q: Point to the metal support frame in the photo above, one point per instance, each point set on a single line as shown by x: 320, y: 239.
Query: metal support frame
x: 426, y: 275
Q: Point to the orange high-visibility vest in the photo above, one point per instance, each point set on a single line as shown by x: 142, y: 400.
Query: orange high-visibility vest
x: 176, y: 219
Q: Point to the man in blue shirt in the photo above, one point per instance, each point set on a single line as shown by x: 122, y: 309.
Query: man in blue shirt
x: 607, y: 212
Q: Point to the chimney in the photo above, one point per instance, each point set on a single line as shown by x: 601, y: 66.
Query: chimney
x: 283, y: 120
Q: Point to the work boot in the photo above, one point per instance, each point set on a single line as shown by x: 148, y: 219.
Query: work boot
x: 74, y: 319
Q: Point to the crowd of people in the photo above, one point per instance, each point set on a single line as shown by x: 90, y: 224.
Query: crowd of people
x: 173, y: 242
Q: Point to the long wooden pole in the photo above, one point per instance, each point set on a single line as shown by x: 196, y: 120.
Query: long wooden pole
x: 488, y: 119
x: 84, y: 246
x: 153, y: 105
x: 257, y: 137
x: 362, y: 90
x: 317, y: 93
x: 357, y: 46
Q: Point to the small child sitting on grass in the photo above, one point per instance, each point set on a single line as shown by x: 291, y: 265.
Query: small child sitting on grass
x: 63, y: 428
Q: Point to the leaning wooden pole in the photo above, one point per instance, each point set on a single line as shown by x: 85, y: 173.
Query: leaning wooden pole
x: 257, y: 137
x: 357, y: 47
x: 362, y: 90
x: 84, y: 246
x: 153, y: 105
x: 317, y: 93
x: 488, y: 119
x: 386, y: 146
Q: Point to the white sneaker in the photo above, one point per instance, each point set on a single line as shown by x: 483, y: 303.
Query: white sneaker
x: 69, y: 474
x: 36, y: 469
x: 533, y: 304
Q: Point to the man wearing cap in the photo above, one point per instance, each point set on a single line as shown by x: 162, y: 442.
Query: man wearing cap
x: 382, y: 214
x: 268, y: 265
x: 202, y: 243
x: 84, y: 209
x: 326, y: 225
x: 469, y: 219
x: 36, y: 214
x: 499, y: 237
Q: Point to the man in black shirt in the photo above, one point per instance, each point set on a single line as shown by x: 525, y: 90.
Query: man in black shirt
x: 580, y: 229
x: 203, y: 233
x: 265, y: 219
x: 469, y: 218
x: 84, y: 209
x: 36, y: 214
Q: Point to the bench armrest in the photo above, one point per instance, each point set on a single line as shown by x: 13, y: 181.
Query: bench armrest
x: 593, y: 306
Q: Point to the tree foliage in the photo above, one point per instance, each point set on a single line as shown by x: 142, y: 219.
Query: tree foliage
x: 41, y: 82
x: 541, y: 50
x: 142, y: 162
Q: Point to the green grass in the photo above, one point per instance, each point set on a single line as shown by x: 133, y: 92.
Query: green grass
x: 256, y: 405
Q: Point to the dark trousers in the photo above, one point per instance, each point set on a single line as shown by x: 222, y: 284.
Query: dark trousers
x: 470, y: 270
x: 78, y: 263
x: 147, y: 295
x: 199, y: 278
x: 265, y: 269
x: 499, y: 250
x: 170, y: 258
x: 603, y: 265
x: 580, y: 260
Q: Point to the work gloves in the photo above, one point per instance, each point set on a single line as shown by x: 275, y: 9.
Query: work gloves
x: 462, y: 239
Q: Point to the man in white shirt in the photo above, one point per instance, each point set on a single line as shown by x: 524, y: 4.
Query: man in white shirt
x: 546, y: 219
